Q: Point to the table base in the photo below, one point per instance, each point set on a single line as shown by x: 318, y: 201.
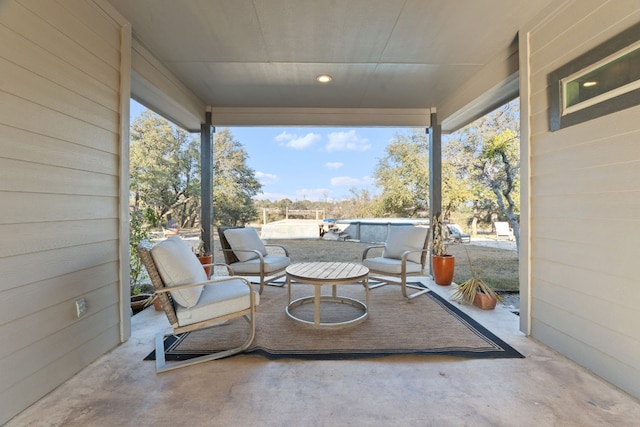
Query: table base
x: 331, y: 300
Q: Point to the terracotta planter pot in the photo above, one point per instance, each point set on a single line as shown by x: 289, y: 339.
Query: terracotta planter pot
x: 206, y: 259
x: 484, y: 301
x: 442, y: 268
x: 157, y: 305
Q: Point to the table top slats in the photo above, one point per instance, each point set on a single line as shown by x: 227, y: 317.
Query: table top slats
x: 327, y: 271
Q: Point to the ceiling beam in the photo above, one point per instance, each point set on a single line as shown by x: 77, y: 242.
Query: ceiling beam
x: 369, y: 117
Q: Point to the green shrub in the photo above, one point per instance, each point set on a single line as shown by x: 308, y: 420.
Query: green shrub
x: 139, y: 229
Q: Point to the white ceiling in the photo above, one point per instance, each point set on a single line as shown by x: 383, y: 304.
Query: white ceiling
x: 382, y: 54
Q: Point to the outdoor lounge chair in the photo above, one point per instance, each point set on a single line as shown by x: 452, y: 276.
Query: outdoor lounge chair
x: 456, y: 233
x: 191, y: 302
x: 404, y: 255
x: 503, y: 230
x: 246, y: 255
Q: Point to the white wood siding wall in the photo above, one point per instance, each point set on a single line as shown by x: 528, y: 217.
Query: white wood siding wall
x: 59, y: 193
x: 585, y: 207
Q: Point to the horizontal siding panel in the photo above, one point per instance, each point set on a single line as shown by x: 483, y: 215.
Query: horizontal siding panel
x: 615, y: 126
x: 617, y: 178
x: 21, y: 145
x: 55, y: 235
x: 38, y: 325
x: 41, y: 295
x: 19, y: 271
x: 539, y: 102
x: 585, y: 195
x: 539, y: 126
x: 602, y: 284
x: 584, y: 213
x: 611, y: 343
x: 22, y: 114
x: 28, y: 360
x: 27, y: 55
x: 43, y: 92
x: 601, y: 255
x: 60, y: 35
x: 563, y: 36
x: 105, y: 47
x: 60, y: 184
x: 610, y: 317
x: 94, y: 17
x: 615, y: 150
x: 582, y: 230
x: 610, y: 369
x: 35, y: 386
x: 36, y: 178
x: 26, y: 208
x: 568, y: 36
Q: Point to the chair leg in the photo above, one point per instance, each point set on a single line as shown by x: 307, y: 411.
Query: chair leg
x: 261, y: 285
x: 415, y: 294
x: 403, y: 286
x: 161, y: 365
x: 377, y: 285
x: 263, y: 282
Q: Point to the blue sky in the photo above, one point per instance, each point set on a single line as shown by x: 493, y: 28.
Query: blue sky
x: 309, y: 163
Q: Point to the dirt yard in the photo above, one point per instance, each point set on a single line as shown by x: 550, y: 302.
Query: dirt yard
x: 497, y: 267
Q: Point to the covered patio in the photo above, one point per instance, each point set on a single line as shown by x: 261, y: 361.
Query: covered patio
x: 545, y: 388
x: 69, y: 69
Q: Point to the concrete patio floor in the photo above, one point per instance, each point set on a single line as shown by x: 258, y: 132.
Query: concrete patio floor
x: 543, y: 389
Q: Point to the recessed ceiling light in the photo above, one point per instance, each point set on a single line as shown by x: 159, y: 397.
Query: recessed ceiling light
x: 324, y: 78
x: 589, y: 84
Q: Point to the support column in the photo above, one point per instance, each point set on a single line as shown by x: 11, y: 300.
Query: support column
x: 435, y: 166
x: 435, y: 170
x: 206, y: 184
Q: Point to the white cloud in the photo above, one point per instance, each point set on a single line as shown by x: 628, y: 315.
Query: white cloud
x: 342, y: 181
x: 266, y: 178
x: 296, y: 141
x: 333, y: 165
x: 347, y: 141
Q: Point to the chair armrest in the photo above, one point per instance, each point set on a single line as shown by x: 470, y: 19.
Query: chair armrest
x: 205, y: 283
x: 368, y: 248
x: 255, y: 251
x: 406, y: 254
x: 286, y: 252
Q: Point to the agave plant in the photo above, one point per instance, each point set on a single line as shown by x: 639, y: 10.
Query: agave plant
x: 466, y: 292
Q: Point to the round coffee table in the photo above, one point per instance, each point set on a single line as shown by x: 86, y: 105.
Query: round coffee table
x: 327, y: 273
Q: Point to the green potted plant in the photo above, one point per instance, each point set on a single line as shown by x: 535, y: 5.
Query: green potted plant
x: 475, y: 291
x: 139, y: 230
x: 442, y: 263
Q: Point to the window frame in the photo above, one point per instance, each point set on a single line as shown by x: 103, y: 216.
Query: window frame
x: 620, y: 98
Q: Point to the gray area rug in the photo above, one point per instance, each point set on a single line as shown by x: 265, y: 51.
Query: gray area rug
x: 426, y: 325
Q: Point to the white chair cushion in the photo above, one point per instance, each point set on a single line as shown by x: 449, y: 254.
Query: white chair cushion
x: 405, y: 238
x: 245, y: 239
x: 390, y: 266
x: 178, y: 265
x: 271, y: 264
x: 217, y: 299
